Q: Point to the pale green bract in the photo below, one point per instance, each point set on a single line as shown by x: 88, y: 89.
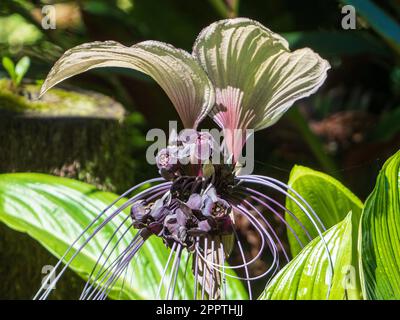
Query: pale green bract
x: 265, y: 77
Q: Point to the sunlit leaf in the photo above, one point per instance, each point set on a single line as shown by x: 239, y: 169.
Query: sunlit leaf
x: 380, y: 235
x: 175, y: 70
x: 330, y: 200
x: 55, y: 210
x: 309, y: 276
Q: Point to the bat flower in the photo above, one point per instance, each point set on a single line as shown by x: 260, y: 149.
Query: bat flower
x: 244, y: 77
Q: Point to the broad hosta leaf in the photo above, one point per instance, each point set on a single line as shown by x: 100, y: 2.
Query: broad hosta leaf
x: 8, y: 64
x: 256, y: 76
x: 308, y: 275
x: 55, y: 210
x: 380, y: 235
x: 175, y: 70
x: 329, y: 199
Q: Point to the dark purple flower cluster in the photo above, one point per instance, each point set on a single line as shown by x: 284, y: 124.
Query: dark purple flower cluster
x: 180, y: 221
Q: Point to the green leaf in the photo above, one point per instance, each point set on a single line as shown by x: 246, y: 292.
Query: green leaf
x: 55, y: 210
x: 8, y: 64
x: 21, y: 69
x: 308, y: 275
x: 330, y: 200
x: 380, y: 235
x: 266, y: 77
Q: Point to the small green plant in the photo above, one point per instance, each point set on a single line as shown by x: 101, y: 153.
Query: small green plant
x: 16, y: 71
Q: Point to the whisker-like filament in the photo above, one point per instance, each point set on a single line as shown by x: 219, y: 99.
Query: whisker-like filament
x: 109, y: 271
x: 270, y: 228
x: 196, y: 269
x: 174, y: 275
x: 300, y: 202
x: 102, y: 276
x: 83, y: 295
x: 192, y: 207
x: 282, y: 187
x: 105, y: 290
x: 182, y: 288
x: 263, y: 234
x: 213, y: 271
x: 165, y: 270
x: 90, y: 283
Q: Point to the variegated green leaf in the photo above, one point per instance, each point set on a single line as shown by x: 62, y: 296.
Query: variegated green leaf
x: 309, y: 276
x: 256, y: 76
x: 175, y: 70
x: 379, y: 240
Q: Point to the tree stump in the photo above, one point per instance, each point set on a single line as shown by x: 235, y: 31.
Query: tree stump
x: 70, y: 133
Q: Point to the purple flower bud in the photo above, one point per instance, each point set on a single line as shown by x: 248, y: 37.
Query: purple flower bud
x: 139, y: 214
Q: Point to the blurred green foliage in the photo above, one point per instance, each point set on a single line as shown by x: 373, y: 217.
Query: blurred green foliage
x: 16, y: 71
